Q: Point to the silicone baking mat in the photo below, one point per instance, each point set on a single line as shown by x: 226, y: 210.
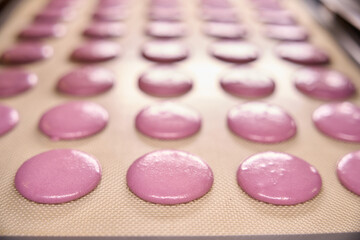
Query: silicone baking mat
x: 111, y: 209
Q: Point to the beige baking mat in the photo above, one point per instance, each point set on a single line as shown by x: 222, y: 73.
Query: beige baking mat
x: 111, y: 209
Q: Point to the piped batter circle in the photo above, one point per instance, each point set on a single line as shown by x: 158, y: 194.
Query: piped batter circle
x: 302, y: 53
x: 234, y: 51
x: 278, y: 178
x: 348, y: 170
x: 96, y: 51
x: 165, y: 51
x: 86, y: 81
x: 9, y: 118
x: 261, y: 122
x: 247, y: 82
x: 58, y: 176
x: 169, y: 177
x: 15, y: 81
x: 27, y: 52
x: 43, y: 30
x: 323, y: 83
x: 168, y: 121
x: 164, y: 29
x: 165, y: 81
x: 225, y: 30
x: 73, y: 120
x: 339, y: 120
x: 105, y: 30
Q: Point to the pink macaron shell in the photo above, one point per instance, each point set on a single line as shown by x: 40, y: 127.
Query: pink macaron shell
x: 302, y: 53
x: 165, y: 81
x: 49, y: 15
x: 86, y: 81
x: 286, y: 33
x: 339, y: 120
x: 234, y: 51
x: 323, y: 83
x: 96, y: 51
x: 73, y: 120
x: 278, y: 178
x: 165, y: 51
x: 168, y: 121
x: 27, y: 52
x: 15, y: 81
x: 112, y: 14
x: 169, y: 177
x: 226, y: 15
x: 105, y: 30
x: 43, y: 30
x: 348, y: 169
x: 58, y: 176
x: 225, y: 30
x: 9, y: 118
x: 165, y: 14
x: 163, y: 29
x: 247, y: 82
x: 261, y: 122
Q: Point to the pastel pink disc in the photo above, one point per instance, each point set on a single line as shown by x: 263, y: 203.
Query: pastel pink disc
x: 58, y: 176
x: 9, y: 118
x: 105, y: 30
x: 96, y: 51
x: 348, y: 170
x: 234, y: 51
x: 261, y: 122
x: 165, y: 51
x: 73, y: 120
x: 27, y: 52
x: 339, y: 120
x: 48, y: 15
x: 165, y: 14
x: 111, y: 14
x: 216, y: 3
x: 225, y: 30
x: 168, y: 121
x: 246, y: 82
x: 277, y: 17
x: 286, y: 33
x: 162, y: 29
x: 165, y: 81
x: 112, y: 3
x: 323, y: 83
x: 165, y: 3
x: 15, y: 81
x: 279, y: 178
x: 86, y: 81
x: 227, y: 15
x: 43, y: 30
x: 169, y: 177
x: 302, y: 53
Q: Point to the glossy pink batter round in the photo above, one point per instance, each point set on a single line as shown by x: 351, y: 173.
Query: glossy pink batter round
x: 323, y: 83
x: 165, y: 51
x: 348, y: 170
x: 43, y: 30
x: 15, y: 81
x: 278, y: 178
x: 261, y: 122
x: 96, y: 51
x: 9, y: 118
x: 234, y: 51
x: 286, y: 33
x: 163, y: 29
x: 169, y: 177
x: 168, y: 121
x: 73, y: 120
x: 111, y: 14
x: 48, y: 15
x: 225, y: 30
x: 105, y: 30
x: 303, y: 53
x: 27, y: 52
x: 165, y: 14
x: 165, y: 81
x: 246, y: 82
x: 225, y: 15
x: 86, y: 81
x: 58, y: 176
x: 339, y: 120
